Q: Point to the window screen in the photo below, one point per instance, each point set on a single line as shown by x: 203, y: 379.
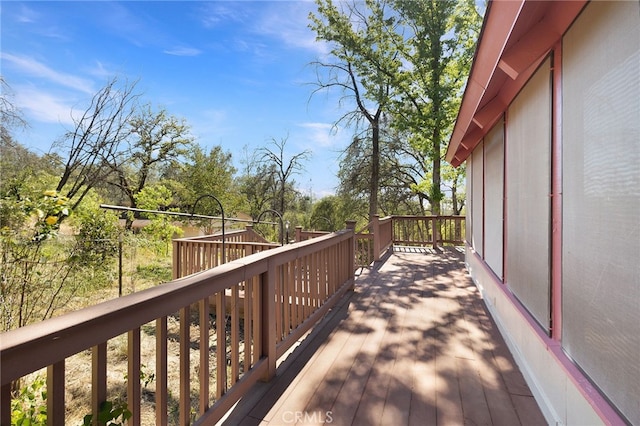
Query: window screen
x: 601, y: 200
x: 493, y: 196
x: 477, y: 173
x: 528, y: 147
x: 469, y: 191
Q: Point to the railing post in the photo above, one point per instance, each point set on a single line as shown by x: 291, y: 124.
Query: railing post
x: 375, y: 230
x: 267, y: 319
x: 249, y: 231
x: 351, y: 226
x: 298, y: 233
x: 176, y: 260
x: 434, y: 229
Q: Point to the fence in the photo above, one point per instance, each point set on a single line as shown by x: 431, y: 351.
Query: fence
x: 382, y: 234
x: 275, y: 297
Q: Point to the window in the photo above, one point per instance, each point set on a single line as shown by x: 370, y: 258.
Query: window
x: 601, y: 199
x: 528, y: 153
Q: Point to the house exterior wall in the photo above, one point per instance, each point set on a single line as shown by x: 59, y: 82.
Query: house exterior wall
x: 555, y: 219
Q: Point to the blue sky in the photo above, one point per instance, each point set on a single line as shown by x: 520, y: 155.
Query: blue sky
x: 237, y: 71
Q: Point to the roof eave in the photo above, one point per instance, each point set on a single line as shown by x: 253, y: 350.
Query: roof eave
x: 510, y: 48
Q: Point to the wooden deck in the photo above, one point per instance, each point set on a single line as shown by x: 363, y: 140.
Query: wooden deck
x: 412, y: 345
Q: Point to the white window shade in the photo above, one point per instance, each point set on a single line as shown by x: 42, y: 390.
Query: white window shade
x: 528, y: 149
x: 601, y: 200
x: 469, y: 219
x: 477, y: 207
x: 493, y: 197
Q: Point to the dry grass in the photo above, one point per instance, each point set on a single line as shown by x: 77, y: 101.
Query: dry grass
x: 78, y: 367
x: 78, y: 386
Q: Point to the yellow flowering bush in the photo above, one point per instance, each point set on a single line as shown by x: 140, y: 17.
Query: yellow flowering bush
x: 49, y: 212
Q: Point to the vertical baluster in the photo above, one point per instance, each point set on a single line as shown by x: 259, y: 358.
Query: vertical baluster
x: 256, y: 327
x: 305, y: 284
x: 133, y: 372
x: 98, y: 377
x: 235, y: 334
x: 248, y: 304
x: 294, y: 298
x: 279, y: 302
x: 221, y: 346
x: 204, y: 355
x: 162, y: 393
x: 185, y: 379
x: 268, y: 338
x: 5, y: 404
x: 313, y: 284
x: 55, y: 394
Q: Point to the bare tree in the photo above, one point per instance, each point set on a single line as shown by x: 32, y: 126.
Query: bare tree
x: 284, y: 168
x: 96, y: 137
x: 10, y: 115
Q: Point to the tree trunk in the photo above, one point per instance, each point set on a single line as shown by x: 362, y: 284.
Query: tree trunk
x: 375, y: 170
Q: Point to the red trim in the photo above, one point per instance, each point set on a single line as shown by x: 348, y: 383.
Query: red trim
x: 516, y: 36
x: 505, y: 147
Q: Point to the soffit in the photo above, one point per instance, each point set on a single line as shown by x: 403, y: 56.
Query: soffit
x: 515, y: 38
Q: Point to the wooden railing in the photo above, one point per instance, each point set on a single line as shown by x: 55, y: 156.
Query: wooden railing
x: 263, y: 303
x: 247, y: 235
x: 194, y: 255
x: 428, y: 230
x: 302, y: 235
x: 381, y: 234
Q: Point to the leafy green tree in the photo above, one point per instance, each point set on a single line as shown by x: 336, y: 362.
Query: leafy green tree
x: 161, y: 227
x: 156, y: 139
x: 414, y: 55
x: 329, y: 214
x: 29, y: 288
x: 362, y: 37
x: 438, y: 46
x: 98, y: 232
x: 204, y: 174
x: 41, y: 270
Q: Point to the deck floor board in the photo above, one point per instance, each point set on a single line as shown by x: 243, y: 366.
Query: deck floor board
x: 412, y: 344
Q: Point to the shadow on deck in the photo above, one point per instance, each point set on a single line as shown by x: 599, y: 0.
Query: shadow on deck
x: 412, y: 344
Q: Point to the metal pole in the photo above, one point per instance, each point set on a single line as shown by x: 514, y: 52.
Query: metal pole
x: 281, y: 223
x: 190, y: 215
x: 120, y: 265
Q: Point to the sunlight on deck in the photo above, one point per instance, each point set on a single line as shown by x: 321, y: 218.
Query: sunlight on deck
x: 413, y: 344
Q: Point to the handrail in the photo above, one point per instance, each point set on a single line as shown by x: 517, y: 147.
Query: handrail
x: 384, y: 233
x: 283, y: 293
x: 407, y: 231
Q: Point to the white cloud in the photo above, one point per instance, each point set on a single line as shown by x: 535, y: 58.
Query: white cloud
x: 210, y: 125
x: 183, y: 51
x: 43, y: 106
x: 26, y: 15
x: 288, y: 21
x: 323, y: 135
x: 100, y: 70
x: 215, y: 13
x: 37, y: 69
